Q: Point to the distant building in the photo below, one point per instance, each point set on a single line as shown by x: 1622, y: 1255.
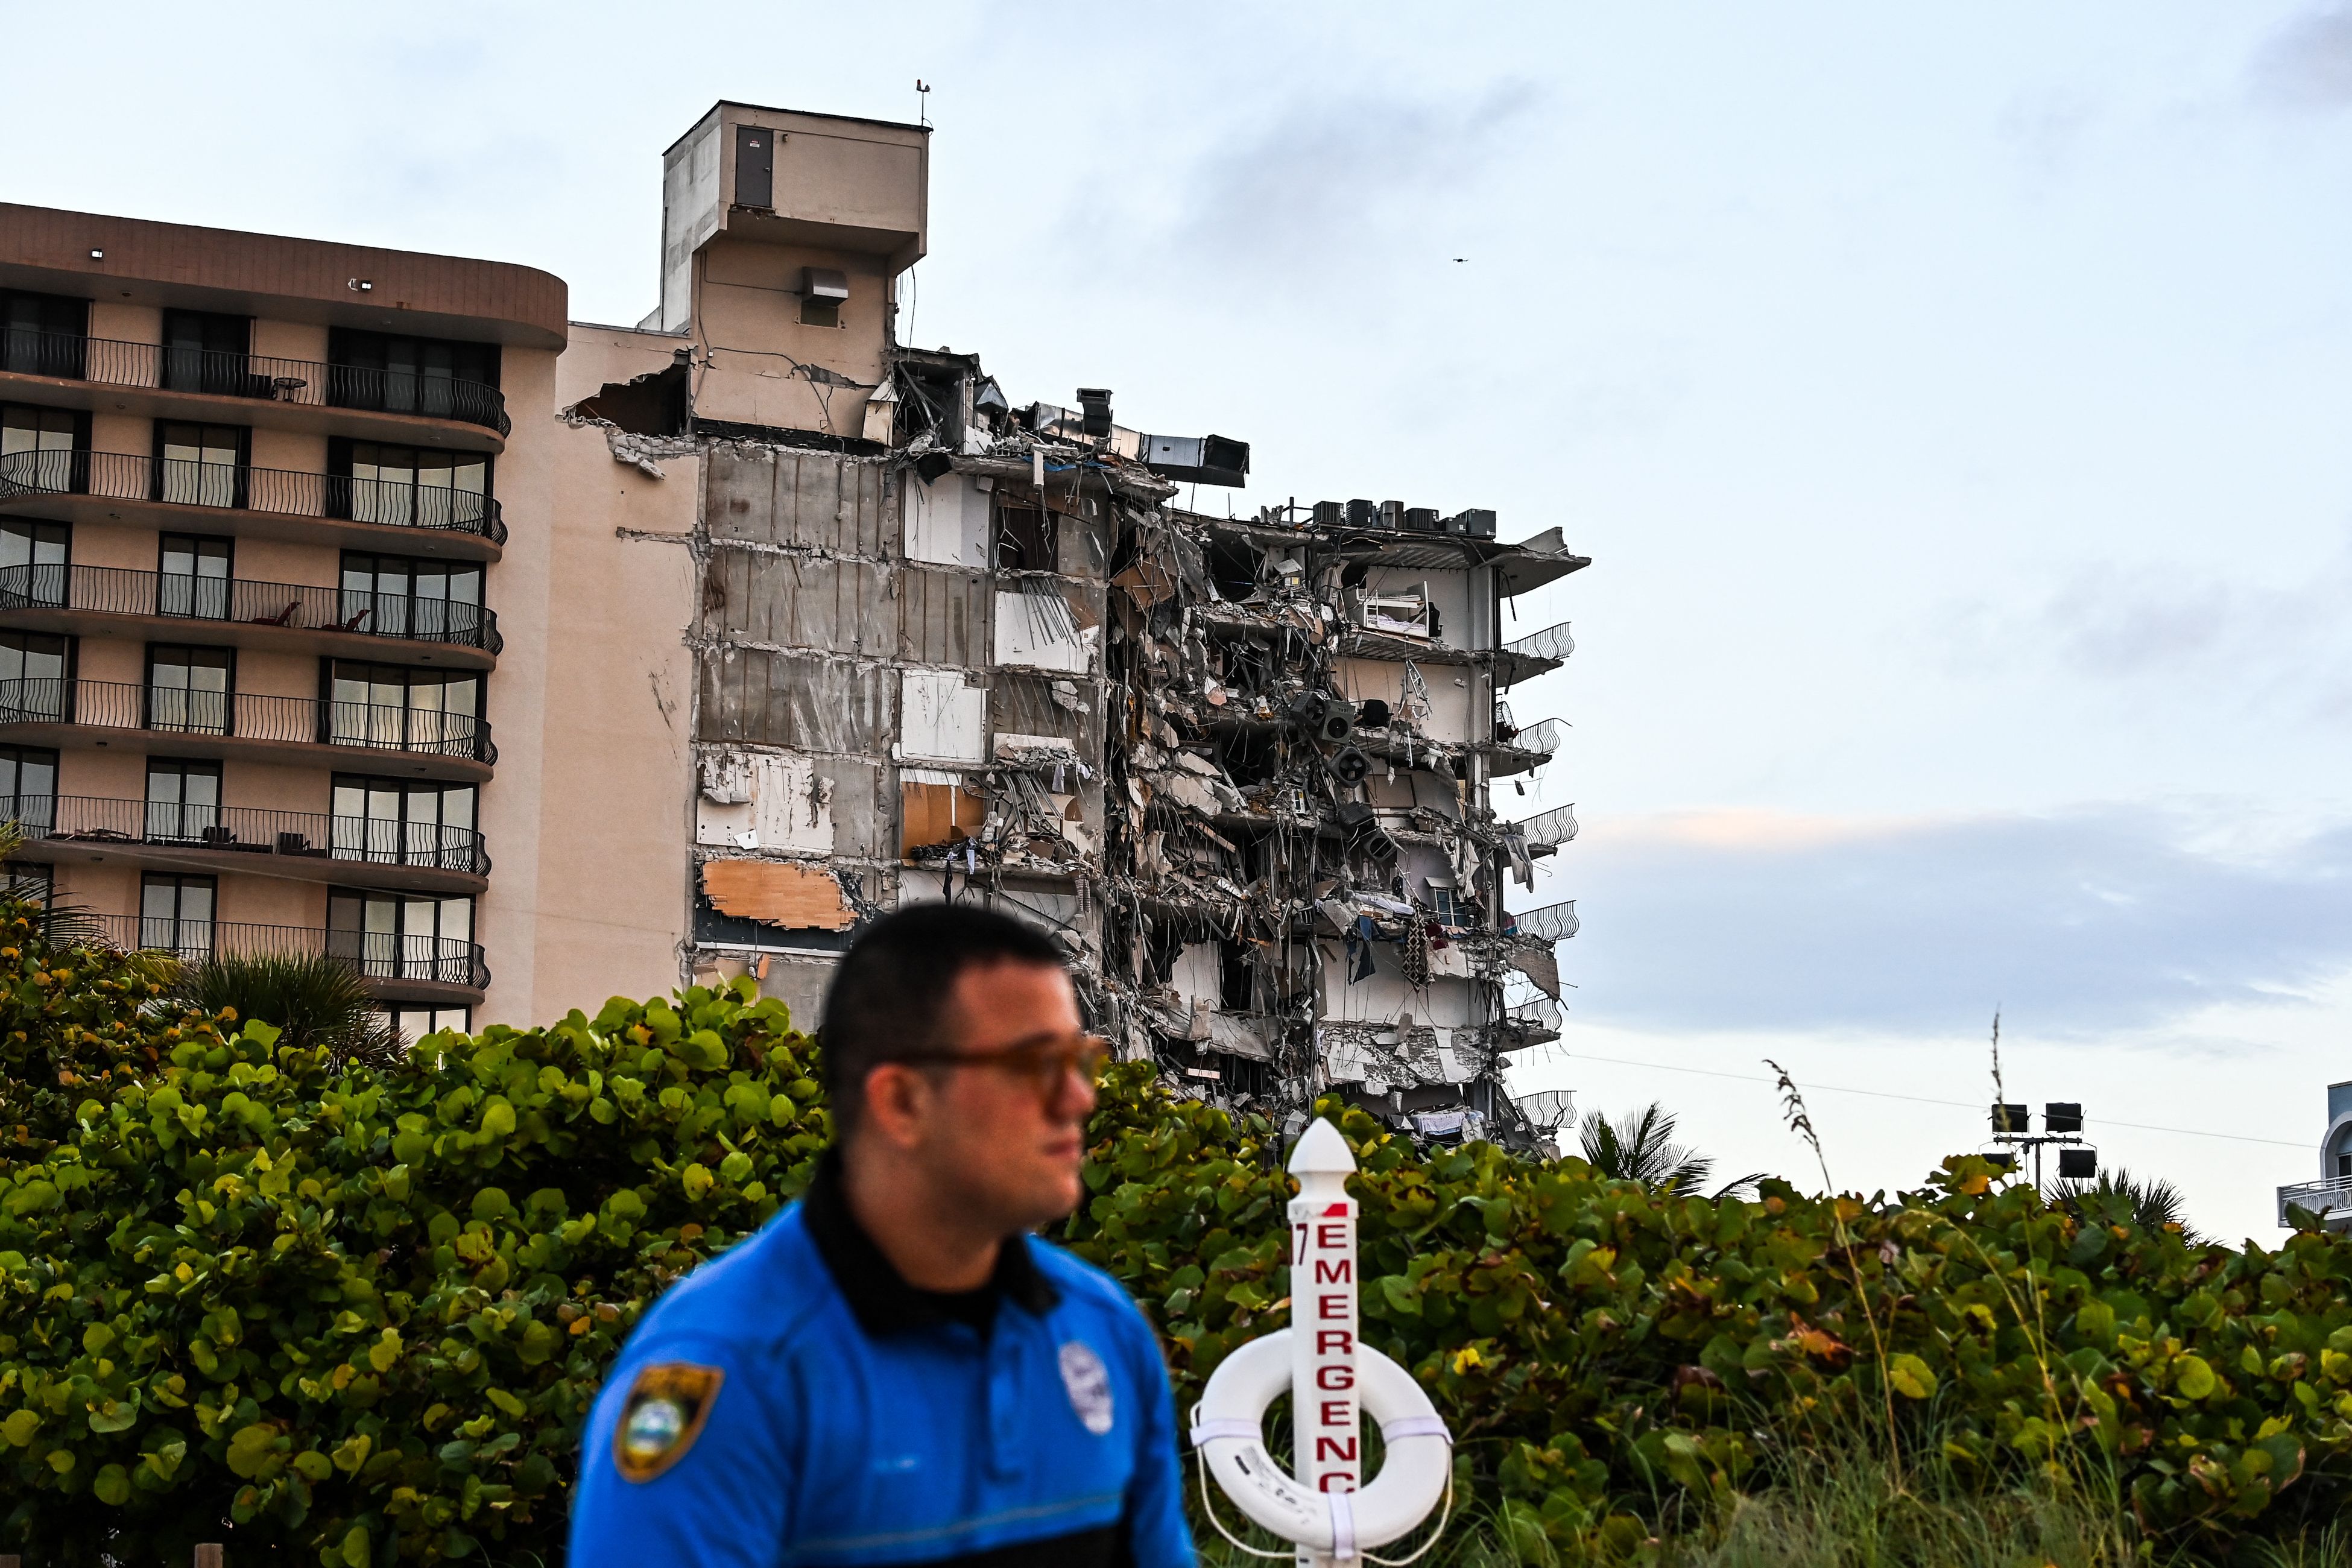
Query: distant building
x: 779, y: 622
x: 2331, y: 1194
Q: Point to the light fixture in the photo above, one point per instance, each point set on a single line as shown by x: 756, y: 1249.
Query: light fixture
x: 96, y: 254
x: 360, y: 285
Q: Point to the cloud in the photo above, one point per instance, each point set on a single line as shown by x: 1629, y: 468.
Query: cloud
x: 2307, y: 64
x: 2112, y: 622
x: 1327, y: 183
x: 2080, y: 923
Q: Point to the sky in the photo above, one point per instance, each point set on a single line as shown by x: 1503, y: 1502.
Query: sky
x: 1952, y: 404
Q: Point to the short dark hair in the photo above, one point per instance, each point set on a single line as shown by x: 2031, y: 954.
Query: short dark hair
x: 891, y: 989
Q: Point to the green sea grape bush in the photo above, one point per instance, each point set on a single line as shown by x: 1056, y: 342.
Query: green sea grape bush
x: 354, y: 1314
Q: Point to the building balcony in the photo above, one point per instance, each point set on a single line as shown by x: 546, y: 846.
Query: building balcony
x: 1516, y: 750
x: 180, y: 494
x: 310, y: 846
x: 397, y: 967
x: 1553, y: 923
x: 176, y: 722
x: 287, y: 616
x: 66, y: 370
x: 2331, y: 1198
x: 1537, y: 652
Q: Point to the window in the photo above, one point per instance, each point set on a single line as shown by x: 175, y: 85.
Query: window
x: 183, y: 801
x: 403, y: 936
x: 432, y: 376
x: 42, y: 335
x: 2343, y: 1164
x: 203, y: 352
x: 188, y: 688
x: 175, y: 913
x: 398, y: 597
x: 33, y: 564
x: 406, y: 486
x: 195, y: 579
x: 33, y: 681
x: 29, y: 788
x: 1024, y: 539
x: 415, y: 1023
x: 397, y: 823
x: 44, y: 448
x: 35, y: 884
x: 1446, y: 903
x: 390, y: 706
x: 201, y: 465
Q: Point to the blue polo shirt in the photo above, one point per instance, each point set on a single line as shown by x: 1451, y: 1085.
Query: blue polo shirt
x: 795, y: 1402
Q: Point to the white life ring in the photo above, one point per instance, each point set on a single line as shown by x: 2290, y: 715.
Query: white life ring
x: 1227, y: 1427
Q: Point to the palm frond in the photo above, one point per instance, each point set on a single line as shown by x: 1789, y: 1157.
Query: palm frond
x: 317, y: 1002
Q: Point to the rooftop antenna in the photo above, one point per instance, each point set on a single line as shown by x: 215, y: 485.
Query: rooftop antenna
x: 922, y: 101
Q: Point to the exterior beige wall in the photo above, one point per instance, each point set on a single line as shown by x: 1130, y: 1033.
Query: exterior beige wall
x: 589, y: 812
x: 747, y: 305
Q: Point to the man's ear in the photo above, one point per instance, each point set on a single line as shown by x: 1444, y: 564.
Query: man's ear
x: 896, y: 1096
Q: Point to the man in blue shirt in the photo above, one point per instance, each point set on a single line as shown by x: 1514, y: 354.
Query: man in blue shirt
x: 893, y: 1370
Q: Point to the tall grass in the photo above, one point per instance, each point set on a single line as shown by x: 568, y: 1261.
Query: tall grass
x: 1838, y: 1503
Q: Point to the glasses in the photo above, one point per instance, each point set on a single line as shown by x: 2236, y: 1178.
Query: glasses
x: 1046, y: 1063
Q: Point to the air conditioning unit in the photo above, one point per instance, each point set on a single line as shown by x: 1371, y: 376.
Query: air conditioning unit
x: 1421, y: 520
x: 1363, y: 514
x: 1330, y: 514
x: 1475, y: 523
x: 1393, y: 514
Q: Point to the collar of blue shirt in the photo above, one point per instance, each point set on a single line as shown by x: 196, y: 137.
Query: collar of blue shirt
x: 878, y: 1295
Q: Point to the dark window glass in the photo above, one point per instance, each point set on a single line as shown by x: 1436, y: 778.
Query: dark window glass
x: 436, y: 378
x: 188, y: 688
x: 391, y: 706
x: 399, y: 823
x: 206, y: 353
x: 408, y: 487
x: 175, y: 913
x: 203, y: 465
x: 33, y: 562
x: 183, y: 801
x: 403, y: 936
x: 43, y: 334
x: 43, y: 449
x: 29, y: 788
x: 399, y: 596
x: 195, y: 577
x: 32, y: 676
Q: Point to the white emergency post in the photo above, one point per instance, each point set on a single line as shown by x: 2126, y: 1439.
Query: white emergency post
x: 1327, y: 1508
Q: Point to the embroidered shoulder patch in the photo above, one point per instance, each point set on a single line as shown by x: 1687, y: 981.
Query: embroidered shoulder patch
x: 1087, y: 1382
x: 663, y: 1416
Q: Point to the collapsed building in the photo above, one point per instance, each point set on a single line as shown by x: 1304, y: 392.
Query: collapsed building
x: 953, y: 644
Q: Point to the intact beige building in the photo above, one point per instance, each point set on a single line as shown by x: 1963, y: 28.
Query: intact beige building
x: 359, y: 601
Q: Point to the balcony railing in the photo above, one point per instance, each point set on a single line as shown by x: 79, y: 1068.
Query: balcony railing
x: 359, y: 840
x: 377, y: 955
x: 1553, y: 923
x: 262, y: 378
x: 1541, y: 739
x: 236, y: 487
x: 1549, y: 829
x: 122, y: 705
x: 2331, y: 1197
x: 116, y: 591
x: 1532, y: 655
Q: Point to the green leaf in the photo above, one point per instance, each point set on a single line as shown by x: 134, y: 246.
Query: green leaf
x: 111, y: 1485
x: 19, y: 1427
x: 313, y: 1465
x: 2193, y: 1379
x: 1909, y: 1376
